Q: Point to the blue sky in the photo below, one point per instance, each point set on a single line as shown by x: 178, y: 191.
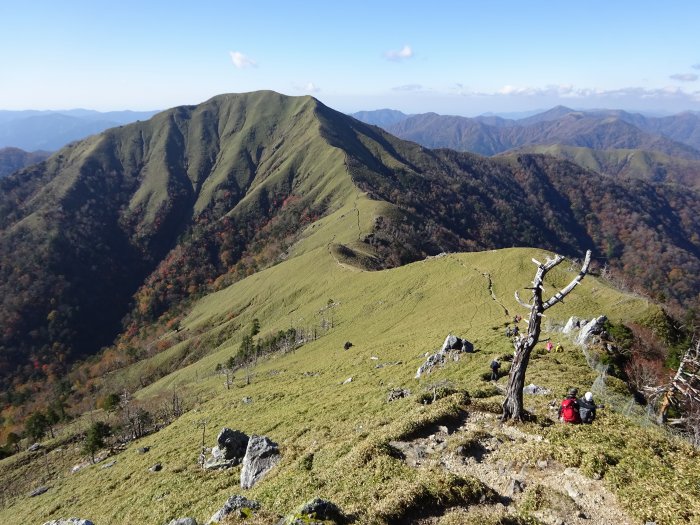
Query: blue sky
x: 451, y: 57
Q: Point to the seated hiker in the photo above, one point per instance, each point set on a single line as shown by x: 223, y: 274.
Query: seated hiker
x: 569, y: 408
x: 508, y: 331
x: 549, y: 346
x: 516, y: 330
x: 587, y: 408
x: 559, y: 348
x: 495, y: 365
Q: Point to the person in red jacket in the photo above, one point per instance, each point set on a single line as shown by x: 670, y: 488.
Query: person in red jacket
x: 569, y: 408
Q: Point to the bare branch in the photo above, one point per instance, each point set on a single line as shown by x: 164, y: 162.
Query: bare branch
x: 557, y: 297
x: 521, y: 302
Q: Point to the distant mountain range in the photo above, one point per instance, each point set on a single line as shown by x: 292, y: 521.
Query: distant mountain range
x: 117, y: 230
x: 33, y: 130
x: 559, y: 131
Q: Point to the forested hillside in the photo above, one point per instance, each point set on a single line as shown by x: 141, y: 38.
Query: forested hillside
x: 113, y: 233
x: 13, y: 159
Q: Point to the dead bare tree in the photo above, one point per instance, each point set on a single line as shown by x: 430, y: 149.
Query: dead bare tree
x: 513, y: 403
x: 684, y: 388
x: 202, y: 422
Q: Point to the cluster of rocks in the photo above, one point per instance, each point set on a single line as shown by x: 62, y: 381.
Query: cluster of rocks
x: 238, y: 506
x: 258, y: 454
x: 451, y: 349
x: 587, y: 329
x: 397, y: 393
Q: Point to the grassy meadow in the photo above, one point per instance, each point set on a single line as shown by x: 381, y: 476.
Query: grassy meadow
x: 334, y: 433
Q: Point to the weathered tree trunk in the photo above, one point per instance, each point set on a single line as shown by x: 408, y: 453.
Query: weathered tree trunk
x: 513, y: 403
x: 685, y: 385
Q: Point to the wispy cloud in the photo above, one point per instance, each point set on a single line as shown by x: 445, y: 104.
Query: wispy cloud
x: 307, y: 89
x: 695, y: 66
x: 241, y: 61
x: 404, y: 53
x: 685, y: 77
x: 569, y: 91
x: 408, y: 87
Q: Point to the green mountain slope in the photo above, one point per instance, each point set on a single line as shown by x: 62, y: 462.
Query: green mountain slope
x: 12, y: 159
x: 339, y: 439
x: 121, y: 229
x: 96, y: 219
x: 645, y: 165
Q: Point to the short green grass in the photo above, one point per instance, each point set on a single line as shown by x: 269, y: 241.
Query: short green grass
x: 334, y: 436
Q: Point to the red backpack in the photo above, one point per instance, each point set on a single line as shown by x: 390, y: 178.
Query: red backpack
x: 569, y: 411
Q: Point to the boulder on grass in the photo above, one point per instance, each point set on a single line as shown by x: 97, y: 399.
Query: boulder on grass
x: 183, y: 521
x: 260, y: 456
x: 229, y: 450
x: 237, y: 505
x: 321, y: 509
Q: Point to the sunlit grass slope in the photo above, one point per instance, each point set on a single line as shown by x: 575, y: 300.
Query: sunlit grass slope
x: 634, y: 163
x: 332, y: 433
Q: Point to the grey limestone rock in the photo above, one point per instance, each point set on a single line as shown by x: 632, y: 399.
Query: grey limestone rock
x: 573, y: 324
x: 183, y: 521
x: 229, y: 451
x: 260, y: 456
x: 536, y: 390
x: 38, y: 491
x: 233, y: 443
x: 321, y: 509
x: 235, y: 504
x: 515, y: 487
x: 451, y: 348
x: 397, y: 393
x: 591, y: 328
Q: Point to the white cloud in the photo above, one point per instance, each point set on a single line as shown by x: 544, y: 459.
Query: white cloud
x: 241, y: 61
x: 684, y: 77
x: 403, y: 53
x: 569, y: 91
x: 408, y: 87
x: 695, y: 66
x: 311, y: 88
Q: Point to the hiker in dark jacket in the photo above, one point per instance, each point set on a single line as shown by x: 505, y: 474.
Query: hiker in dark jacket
x: 569, y: 408
x: 495, y: 365
x: 587, y: 408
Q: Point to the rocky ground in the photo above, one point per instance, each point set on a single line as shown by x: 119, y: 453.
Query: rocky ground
x: 482, y: 447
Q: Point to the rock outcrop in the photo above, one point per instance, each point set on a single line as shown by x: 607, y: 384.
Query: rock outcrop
x: 183, y: 521
x: 397, y: 393
x: 315, y: 511
x: 229, y: 450
x: 451, y: 348
x: 536, y: 390
x: 590, y: 329
x: 237, y: 505
x: 260, y: 456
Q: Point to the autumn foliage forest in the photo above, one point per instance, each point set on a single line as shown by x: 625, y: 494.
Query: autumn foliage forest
x: 106, y: 244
